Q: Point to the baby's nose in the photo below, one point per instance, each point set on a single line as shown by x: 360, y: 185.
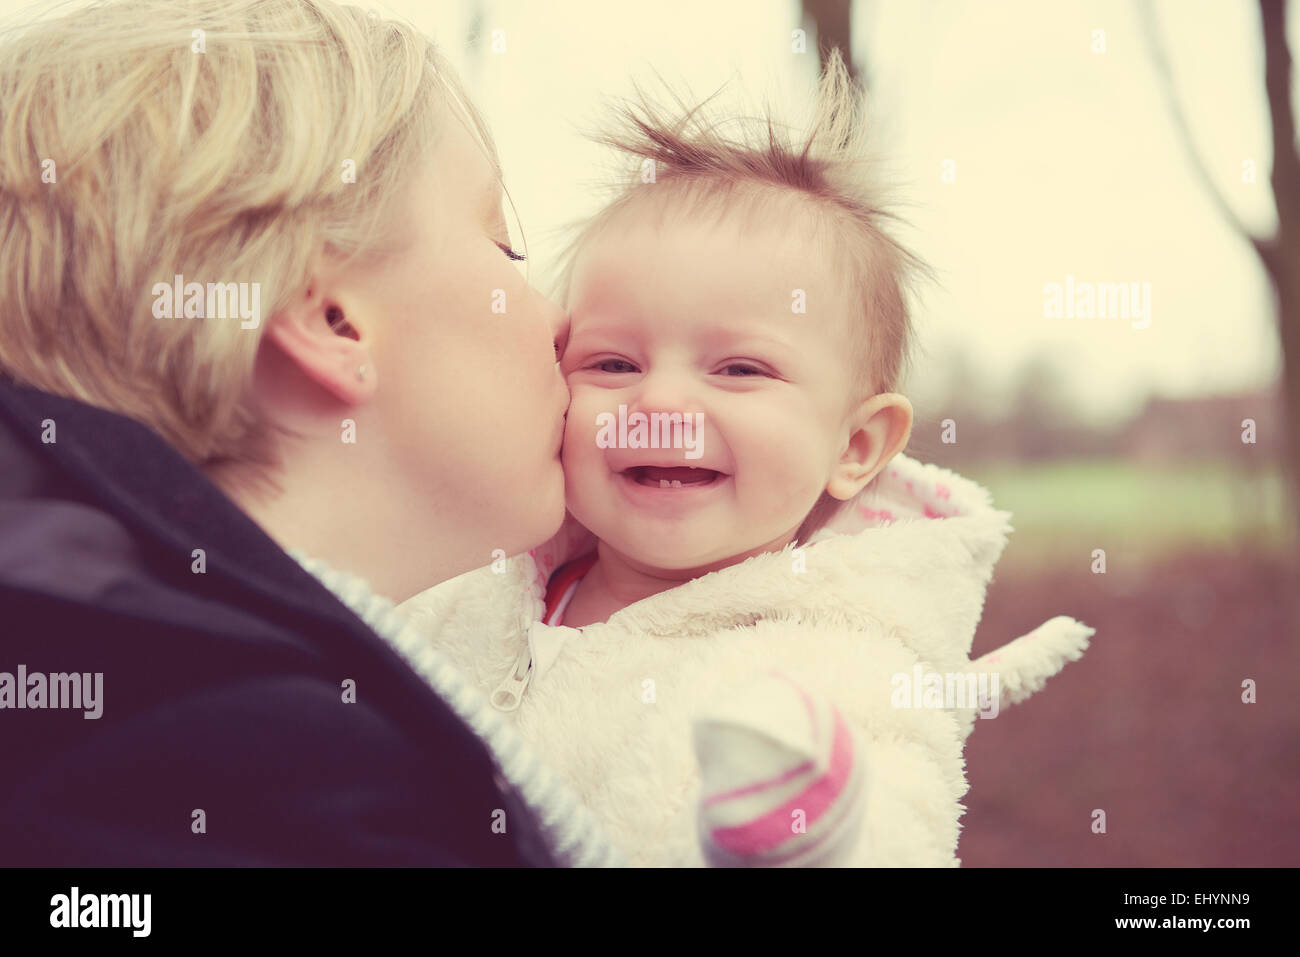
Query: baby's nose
x: 666, y: 391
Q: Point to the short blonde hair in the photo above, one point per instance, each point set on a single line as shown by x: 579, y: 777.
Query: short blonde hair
x: 206, y: 138
x: 830, y: 177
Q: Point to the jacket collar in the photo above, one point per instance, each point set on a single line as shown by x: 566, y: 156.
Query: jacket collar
x: 129, y: 471
x: 914, y: 550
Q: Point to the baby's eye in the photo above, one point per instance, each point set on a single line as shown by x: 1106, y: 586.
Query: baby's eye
x: 745, y: 370
x: 604, y: 363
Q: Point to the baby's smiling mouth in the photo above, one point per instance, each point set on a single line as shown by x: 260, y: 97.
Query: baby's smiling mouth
x: 674, y: 477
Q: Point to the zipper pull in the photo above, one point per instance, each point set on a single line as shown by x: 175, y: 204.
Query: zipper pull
x: 511, y: 691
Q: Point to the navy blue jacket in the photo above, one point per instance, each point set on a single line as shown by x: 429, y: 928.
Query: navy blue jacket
x: 221, y: 692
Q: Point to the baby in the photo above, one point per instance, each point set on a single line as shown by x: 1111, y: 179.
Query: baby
x: 750, y: 642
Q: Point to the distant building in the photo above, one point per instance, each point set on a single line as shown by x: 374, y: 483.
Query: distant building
x: 1165, y: 430
x: 1207, y: 427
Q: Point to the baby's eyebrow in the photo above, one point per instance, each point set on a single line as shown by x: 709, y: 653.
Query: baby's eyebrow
x: 739, y: 336
x: 749, y: 336
x: 606, y: 332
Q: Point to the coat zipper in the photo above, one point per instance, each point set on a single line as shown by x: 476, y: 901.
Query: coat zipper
x: 510, y: 692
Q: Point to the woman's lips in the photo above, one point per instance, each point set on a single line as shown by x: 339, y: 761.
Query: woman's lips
x: 564, y: 422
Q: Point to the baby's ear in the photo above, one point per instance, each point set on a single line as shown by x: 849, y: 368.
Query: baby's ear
x: 879, y: 429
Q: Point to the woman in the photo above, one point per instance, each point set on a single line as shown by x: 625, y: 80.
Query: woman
x: 256, y: 297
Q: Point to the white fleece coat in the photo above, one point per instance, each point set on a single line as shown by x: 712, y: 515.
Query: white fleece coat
x: 896, y: 581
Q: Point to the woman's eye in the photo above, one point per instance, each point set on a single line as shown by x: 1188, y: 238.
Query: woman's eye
x: 604, y: 364
x: 517, y: 257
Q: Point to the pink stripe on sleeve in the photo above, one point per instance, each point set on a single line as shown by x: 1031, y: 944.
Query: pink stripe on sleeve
x: 772, y: 829
x: 759, y: 785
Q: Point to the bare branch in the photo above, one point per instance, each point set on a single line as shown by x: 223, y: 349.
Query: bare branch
x: 1161, y: 64
x: 833, y: 19
x: 1277, y: 81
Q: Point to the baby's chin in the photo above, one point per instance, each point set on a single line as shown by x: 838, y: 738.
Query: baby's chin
x: 676, y: 561
x: 659, y: 549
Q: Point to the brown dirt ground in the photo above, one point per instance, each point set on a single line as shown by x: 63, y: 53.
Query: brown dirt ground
x: 1148, y: 726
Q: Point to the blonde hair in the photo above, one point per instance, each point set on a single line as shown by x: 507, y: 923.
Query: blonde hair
x: 830, y: 176
x: 206, y: 138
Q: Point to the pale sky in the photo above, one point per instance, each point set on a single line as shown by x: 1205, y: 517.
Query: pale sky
x: 1066, y: 161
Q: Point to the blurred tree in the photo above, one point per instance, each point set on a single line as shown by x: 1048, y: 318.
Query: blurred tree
x: 834, y: 22
x: 948, y: 388
x: 1041, y: 417
x: 965, y: 387
x: 1279, y: 253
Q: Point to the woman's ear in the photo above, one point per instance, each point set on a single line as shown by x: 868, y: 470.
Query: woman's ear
x: 316, y: 334
x: 880, y: 429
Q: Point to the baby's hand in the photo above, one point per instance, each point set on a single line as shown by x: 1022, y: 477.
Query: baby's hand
x: 782, y: 777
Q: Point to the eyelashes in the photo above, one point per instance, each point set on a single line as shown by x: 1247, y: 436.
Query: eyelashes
x: 600, y: 366
x: 510, y: 253
x: 749, y: 371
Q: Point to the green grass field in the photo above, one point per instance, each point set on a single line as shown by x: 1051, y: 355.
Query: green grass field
x: 1061, y: 510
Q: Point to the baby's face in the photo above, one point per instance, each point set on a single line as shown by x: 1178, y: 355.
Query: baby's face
x: 700, y: 319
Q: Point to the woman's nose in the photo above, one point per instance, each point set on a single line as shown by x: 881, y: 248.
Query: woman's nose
x: 558, y: 322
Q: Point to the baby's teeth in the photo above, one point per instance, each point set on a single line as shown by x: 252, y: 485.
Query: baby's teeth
x: 676, y: 484
x: 663, y: 483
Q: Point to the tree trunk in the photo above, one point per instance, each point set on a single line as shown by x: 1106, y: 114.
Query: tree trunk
x: 834, y: 22
x: 1286, y: 285
x: 1281, y: 255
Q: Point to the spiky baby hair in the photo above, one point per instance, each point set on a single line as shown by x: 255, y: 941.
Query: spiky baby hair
x: 828, y: 181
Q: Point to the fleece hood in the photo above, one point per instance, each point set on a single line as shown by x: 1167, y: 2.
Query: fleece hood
x: 893, y: 587
x: 913, y: 553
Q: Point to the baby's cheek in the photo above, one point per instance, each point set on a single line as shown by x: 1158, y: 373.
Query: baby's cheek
x: 786, y: 472
x: 572, y: 456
